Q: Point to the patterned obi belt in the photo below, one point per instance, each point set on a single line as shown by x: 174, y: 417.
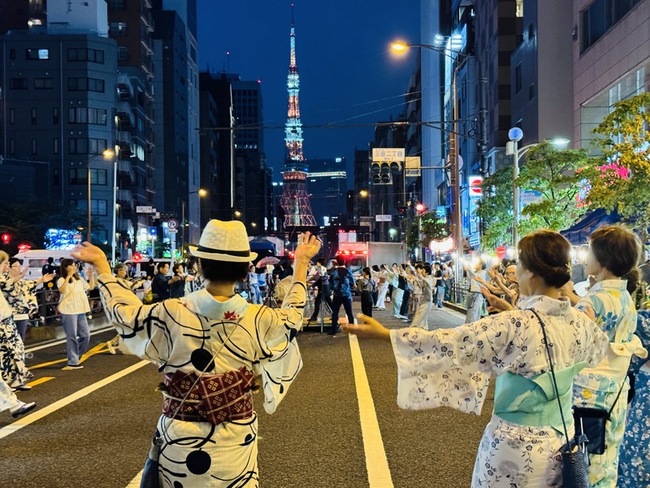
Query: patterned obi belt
x: 213, y: 398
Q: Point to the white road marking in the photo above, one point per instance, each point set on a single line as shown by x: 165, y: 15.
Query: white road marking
x: 373, y: 445
x: 39, y: 414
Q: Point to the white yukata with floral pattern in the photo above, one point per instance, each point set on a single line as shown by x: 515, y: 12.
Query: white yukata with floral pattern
x: 185, y: 334
x: 615, y: 314
x: 452, y: 367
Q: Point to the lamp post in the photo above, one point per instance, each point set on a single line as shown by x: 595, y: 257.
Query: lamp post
x: 515, y: 135
x: 201, y: 193
x: 454, y: 162
x: 107, y: 154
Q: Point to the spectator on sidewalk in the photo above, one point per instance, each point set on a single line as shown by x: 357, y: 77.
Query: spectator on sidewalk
x: 160, y: 283
x: 322, y: 282
x: 73, y: 306
x: 475, y: 300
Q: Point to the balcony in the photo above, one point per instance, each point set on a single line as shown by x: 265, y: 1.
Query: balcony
x: 125, y: 199
x: 124, y: 87
x: 125, y: 168
x: 125, y: 116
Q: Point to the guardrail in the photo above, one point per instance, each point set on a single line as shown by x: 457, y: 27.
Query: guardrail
x: 48, y: 305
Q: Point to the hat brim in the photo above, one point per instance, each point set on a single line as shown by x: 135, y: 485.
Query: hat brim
x: 221, y: 257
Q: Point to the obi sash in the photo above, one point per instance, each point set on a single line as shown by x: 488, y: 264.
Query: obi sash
x: 532, y: 401
x: 213, y: 398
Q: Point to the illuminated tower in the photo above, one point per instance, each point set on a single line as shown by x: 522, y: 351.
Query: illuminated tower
x: 295, y: 199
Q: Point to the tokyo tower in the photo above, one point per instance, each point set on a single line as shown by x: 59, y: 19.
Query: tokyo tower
x: 295, y: 199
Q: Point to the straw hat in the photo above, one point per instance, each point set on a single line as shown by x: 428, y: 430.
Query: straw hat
x: 224, y: 241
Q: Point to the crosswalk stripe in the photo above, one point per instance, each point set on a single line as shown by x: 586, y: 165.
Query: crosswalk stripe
x: 376, y: 461
x: 53, y: 407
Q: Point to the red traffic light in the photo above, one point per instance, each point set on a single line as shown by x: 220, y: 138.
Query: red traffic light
x: 6, y: 238
x: 420, y: 207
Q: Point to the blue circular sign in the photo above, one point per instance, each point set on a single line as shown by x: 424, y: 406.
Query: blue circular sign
x: 515, y: 134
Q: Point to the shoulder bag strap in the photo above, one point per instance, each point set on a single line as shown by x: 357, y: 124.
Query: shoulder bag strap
x: 619, y: 394
x: 550, y: 362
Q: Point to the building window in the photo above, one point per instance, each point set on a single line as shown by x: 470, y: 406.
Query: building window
x: 122, y: 53
x: 117, y: 28
x: 86, y: 84
x: 34, y: 146
x: 518, y: 78
x: 117, y: 4
x: 34, y: 116
x: 78, y: 176
x: 43, y: 83
x: 86, y: 55
x: 12, y: 116
x: 36, y: 7
x: 86, y: 146
x: 35, y: 54
x: 55, y: 146
x: 600, y: 16
x: 87, y: 115
x: 55, y: 115
x: 18, y: 83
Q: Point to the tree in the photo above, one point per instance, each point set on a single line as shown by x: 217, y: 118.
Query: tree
x: 420, y: 234
x: 619, y: 177
x: 553, y: 174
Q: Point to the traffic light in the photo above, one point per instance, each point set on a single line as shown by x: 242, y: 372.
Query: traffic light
x: 380, y: 174
x: 420, y: 208
x: 6, y: 238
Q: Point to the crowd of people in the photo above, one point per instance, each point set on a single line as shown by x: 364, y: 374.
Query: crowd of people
x: 544, y: 344
x: 525, y: 326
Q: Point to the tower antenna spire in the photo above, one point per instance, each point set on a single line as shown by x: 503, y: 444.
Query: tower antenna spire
x: 295, y: 199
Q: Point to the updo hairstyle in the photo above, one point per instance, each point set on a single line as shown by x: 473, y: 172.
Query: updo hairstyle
x: 548, y: 255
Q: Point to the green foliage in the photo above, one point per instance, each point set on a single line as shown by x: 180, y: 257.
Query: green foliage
x: 624, y: 137
x: 554, y: 173
x: 428, y: 229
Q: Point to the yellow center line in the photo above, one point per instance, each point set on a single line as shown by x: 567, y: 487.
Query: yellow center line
x: 40, y: 381
x: 99, y: 348
x: 376, y: 461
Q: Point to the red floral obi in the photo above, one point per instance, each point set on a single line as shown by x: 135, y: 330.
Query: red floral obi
x: 213, y: 398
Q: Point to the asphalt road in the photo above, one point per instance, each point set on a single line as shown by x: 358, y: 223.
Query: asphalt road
x: 93, y: 428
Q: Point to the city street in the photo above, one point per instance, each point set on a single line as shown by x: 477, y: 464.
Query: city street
x: 338, y: 426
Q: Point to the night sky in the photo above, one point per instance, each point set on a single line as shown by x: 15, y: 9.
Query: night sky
x: 347, y: 74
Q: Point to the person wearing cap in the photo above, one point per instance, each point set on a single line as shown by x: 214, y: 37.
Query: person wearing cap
x: 212, y: 340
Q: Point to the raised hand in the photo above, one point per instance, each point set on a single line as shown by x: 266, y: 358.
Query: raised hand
x: 308, y: 246
x: 88, y: 253
x: 367, y: 327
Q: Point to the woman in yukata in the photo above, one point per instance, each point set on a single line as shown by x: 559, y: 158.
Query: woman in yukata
x: 452, y: 367
x: 212, y: 346
x: 613, y: 252
x: 634, y: 461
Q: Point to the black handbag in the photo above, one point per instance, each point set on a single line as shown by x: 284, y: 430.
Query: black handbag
x: 592, y: 422
x: 575, y: 461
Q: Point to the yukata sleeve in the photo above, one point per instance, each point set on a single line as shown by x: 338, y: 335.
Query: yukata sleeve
x: 452, y: 367
x: 143, y: 328
x: 280, y: 360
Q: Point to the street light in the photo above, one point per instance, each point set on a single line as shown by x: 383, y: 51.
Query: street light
x: 107, y: 154
x: 515, y: 135
x: 400, y: 47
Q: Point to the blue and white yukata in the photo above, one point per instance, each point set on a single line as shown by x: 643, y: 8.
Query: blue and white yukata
x: 598, y: 386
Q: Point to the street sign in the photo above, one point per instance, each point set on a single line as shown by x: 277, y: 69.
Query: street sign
x: 515, y: 134
x: 383, y: 218
x: 529, y: 196
x: 388, y: 154
x: 144, y: 209
x: 413, y: 166
x: 172, y: 224
x: 475, y: 190
x: 172, y: 231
